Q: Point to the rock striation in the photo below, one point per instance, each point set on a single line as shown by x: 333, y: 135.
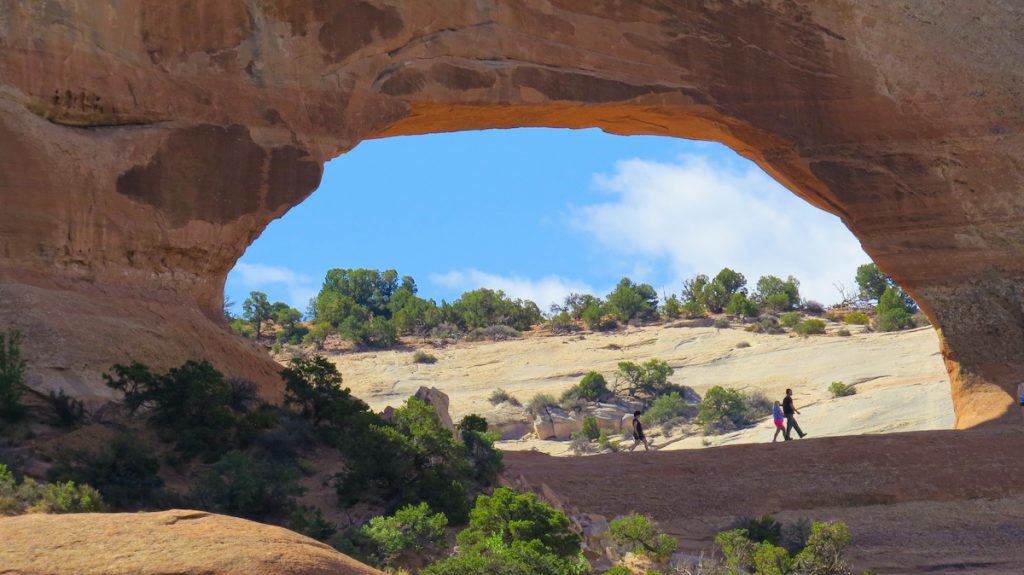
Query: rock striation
x: 177, y: 541
x: 144, y: 145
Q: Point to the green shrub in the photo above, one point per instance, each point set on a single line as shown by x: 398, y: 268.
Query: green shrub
x: 12, y: 377
x: 672, y: 308
x: 593, y: 387
x: 744, y: 551
x: 501, y: 396
x: 310, y: 521
x: 190, y: 404
x: 667, y: 409
x: 579, y: 443
x: 721, y: 323
x: 843, y: 332
x: 893, y: 320
x: 919, y: 319
x: 766, y: 324
x: 723, y: 409
x: 241, y: 486
x: 27, y: 496
x: 472, y: 422
x: 825, y: 548
x: 492, y: 333
x: 739, y: 305
x: 414, y: 530
x: 840, y: 389
x: 590, y: 429
x: 633, y: 302
x: 125, y: 472
x: 292, y: 334
x: 313, y: 385
x: 856, y: 318
x: 242, y: 327
x: 810, y: 327
x: 484, y: 458
x: 694, y: 310
x: 68, y: 412
x: 619, y: 570
x: 515, y: 517
x: 789, y: 319
x: 637, y: 534
x: 762, y: 529
x: 423, y: 357
x: 540, y: 403
x: 561, y: 323
x: 648, y: 380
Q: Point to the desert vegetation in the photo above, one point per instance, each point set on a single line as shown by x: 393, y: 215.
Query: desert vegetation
x: 371, y: 308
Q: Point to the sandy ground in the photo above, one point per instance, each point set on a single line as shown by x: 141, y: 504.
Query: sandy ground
x: 900, y: 379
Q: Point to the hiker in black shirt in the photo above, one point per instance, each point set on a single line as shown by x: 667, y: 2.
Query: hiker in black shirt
x: 638, y: 433
x: 790, y: 411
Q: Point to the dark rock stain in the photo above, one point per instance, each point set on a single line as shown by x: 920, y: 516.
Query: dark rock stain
x: 557, y: 85
x: 353, y: 26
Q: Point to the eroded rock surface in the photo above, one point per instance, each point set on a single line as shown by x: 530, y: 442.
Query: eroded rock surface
x: 144, y: 145
x: 185, y: 542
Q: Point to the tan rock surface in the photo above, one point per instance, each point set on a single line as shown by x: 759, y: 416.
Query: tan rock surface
x: 144, y: 145
x: 178, y: 541
x: 899, y: 377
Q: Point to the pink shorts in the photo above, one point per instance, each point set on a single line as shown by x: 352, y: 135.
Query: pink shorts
x: 779, y: 422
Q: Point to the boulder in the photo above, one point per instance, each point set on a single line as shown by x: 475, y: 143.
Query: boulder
x: 556, y: 423
x: 178, y: 541
x: 508, y: 421
x: 439, y: 401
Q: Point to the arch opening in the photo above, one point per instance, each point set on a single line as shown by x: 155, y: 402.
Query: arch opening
x: 542, y: 213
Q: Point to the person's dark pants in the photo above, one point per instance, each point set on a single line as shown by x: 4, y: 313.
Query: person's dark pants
x: 792, y: 424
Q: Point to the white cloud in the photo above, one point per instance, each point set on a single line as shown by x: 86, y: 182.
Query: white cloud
x: 698, y: 218
x: 299, y: 288
x: 544, y: 291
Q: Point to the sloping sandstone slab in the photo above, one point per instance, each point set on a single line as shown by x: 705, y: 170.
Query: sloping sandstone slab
x: 179, y: 542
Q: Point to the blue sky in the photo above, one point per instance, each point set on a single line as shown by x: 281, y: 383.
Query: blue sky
x: 542, y: 212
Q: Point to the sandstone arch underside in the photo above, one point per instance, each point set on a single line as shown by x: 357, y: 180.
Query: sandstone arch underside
x: 144, y: 145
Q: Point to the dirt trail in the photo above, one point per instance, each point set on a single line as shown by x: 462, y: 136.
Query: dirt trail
x: 922, y: 502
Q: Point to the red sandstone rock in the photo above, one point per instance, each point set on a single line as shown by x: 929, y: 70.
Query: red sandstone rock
x: 144, y: 145
x: 185, y: 542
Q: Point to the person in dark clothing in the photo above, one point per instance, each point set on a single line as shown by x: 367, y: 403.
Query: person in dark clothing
x: 791, y: 412
x: 638, y: 433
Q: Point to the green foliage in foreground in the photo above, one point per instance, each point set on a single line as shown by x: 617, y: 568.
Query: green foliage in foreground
x: 412, y: 530
x: 27, y: 496
x: 190, y: 404
x: 822, y: 555
x: 637, y: 534
x: 514, y: 534
x: 12, y: 377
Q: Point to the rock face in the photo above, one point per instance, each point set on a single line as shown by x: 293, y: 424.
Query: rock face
x: 144, y: 145
x: 185, y: 542
x: 438, y: 400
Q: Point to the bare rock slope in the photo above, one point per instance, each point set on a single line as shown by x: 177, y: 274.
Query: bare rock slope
x: 180, y: 542
x: 144, y: 145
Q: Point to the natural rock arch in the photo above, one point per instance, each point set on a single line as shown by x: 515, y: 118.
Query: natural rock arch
x: 144, y: 145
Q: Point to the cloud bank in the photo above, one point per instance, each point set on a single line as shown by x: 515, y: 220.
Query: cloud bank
x: 544, y: 291
x: 698, y: 217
